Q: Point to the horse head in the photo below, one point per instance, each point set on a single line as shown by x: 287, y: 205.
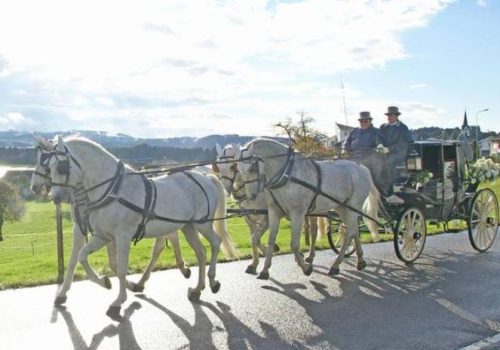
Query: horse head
x: 226, y: 168
x: 65, y: 171
x: 40, y: 179
x: 250, y: 169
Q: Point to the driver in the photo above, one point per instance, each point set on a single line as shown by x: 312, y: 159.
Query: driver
x: 361, y: 141
x: 394, y: 137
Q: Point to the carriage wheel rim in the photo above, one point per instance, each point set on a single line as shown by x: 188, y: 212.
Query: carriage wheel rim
x: 483, y: 220
x: 411, y: 234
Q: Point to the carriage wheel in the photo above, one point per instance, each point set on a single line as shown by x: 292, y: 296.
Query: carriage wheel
x: 483, y: 220
x: 336, y: 238
x: 410, y: 234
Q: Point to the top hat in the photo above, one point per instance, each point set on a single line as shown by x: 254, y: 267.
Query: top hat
x: 364, y: 115
x: 392, y: 110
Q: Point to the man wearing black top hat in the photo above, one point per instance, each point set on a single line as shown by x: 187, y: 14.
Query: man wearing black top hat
x: 395, y: 136
x: 362, y: 140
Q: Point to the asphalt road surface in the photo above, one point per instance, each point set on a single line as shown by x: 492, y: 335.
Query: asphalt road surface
x: 449, y: 299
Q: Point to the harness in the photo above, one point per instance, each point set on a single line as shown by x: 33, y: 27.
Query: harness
x: 111, y: 194
x: 284, y: 175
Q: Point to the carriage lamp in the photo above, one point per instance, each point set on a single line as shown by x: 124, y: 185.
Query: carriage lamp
x: 414, y: 161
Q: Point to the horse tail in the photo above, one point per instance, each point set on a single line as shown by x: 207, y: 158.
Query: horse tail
x: 322, y: 228
x: 371, y: 206
x: 219, y: 224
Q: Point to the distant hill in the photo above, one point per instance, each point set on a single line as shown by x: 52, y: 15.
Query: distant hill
x: 20, y: 139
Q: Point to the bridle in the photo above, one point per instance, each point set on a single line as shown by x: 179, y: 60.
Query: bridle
x: 277, y: 180
x: 63, y: 165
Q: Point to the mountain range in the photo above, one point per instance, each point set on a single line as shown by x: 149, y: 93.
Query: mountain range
x: 23, y: 139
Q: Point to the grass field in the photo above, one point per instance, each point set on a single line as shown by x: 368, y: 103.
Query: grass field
x: 28, y: 253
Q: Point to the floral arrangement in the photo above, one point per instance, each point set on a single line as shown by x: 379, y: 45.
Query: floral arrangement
x: 422, y: 177
x: 483, y: 169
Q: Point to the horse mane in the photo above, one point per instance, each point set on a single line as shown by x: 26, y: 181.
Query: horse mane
x: 275, y: 148
x: 78, y: 140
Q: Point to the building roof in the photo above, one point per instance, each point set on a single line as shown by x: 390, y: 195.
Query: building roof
x: 344, y: 127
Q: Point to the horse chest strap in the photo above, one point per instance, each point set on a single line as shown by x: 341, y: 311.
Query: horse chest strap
x: 148, y: 213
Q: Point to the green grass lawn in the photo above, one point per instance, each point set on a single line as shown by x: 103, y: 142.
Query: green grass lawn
x: 28, y: 254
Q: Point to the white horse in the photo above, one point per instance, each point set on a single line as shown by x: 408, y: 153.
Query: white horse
x: 126, y: 206
x: 295, y: 186
x: 41, y: 182
x: 257, y: 223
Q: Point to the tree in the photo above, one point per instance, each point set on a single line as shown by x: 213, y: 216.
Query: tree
x: 304, y: 137
x: 11, y: 205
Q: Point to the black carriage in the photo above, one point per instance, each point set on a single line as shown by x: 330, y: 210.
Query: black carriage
x: 447, y: 195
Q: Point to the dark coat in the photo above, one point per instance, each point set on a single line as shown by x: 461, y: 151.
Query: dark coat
x: 395, y: 137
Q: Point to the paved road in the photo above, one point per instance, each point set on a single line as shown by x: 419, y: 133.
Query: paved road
x: 448, y: 300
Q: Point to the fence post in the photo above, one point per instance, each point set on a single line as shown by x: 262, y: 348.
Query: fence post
x: 60, y: 247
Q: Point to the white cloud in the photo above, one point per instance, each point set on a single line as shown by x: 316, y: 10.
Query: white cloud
x: 482, y: 3
x: 109, y: 64
x: 14, y: 120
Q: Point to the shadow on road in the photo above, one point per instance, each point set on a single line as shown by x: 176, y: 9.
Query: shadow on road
x: 239, y: 335
x: 396, y: 300
x: 123, y: 329
x: 401, y: 302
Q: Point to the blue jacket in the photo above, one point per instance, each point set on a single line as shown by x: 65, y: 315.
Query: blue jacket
x: 361, y: 139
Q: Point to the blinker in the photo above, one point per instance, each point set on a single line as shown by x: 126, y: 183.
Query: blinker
x: 63, y: 167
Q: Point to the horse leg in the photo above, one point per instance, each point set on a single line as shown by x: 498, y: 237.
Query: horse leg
x: 313, y: 231
x: 297, y: 221
x: 350, y: 219
x: 253, y: 225
x: 208, y: 232
x: 122, y: 256
x: 359, y: 251
x: 78, y: 243
x: 158, y: 247
x: 93, y: 245
x: 181, y: 265
x: 257, y: 233
x: 274, y: 222
x: 193, y: 239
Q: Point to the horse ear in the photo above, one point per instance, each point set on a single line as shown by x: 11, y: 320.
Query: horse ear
x: 237, y: 148
x: 60, y: 142
x: 219, y: 149
x: 44, y: 143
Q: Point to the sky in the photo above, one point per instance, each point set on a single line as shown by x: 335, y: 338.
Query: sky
x: 194, y: 68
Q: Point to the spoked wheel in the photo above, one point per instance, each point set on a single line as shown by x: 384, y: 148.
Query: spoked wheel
x: 483, y: 220
x: 336, y: 233
x: 409, y: 238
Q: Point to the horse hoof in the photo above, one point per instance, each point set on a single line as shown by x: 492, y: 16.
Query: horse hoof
x: 252, y: 270
x: 263, y: 276
x: 216, y: 287
x: 276, y: 248
x: 193, y: 295
x: 334, y: 271
x: 309, y: 270
x: 187, y: 273
x: 114, y: 312
x: 107, y: 282
x: 361, y: 265
x: 309, y: 259
x: 136, y: 288
x: 60, y: 300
